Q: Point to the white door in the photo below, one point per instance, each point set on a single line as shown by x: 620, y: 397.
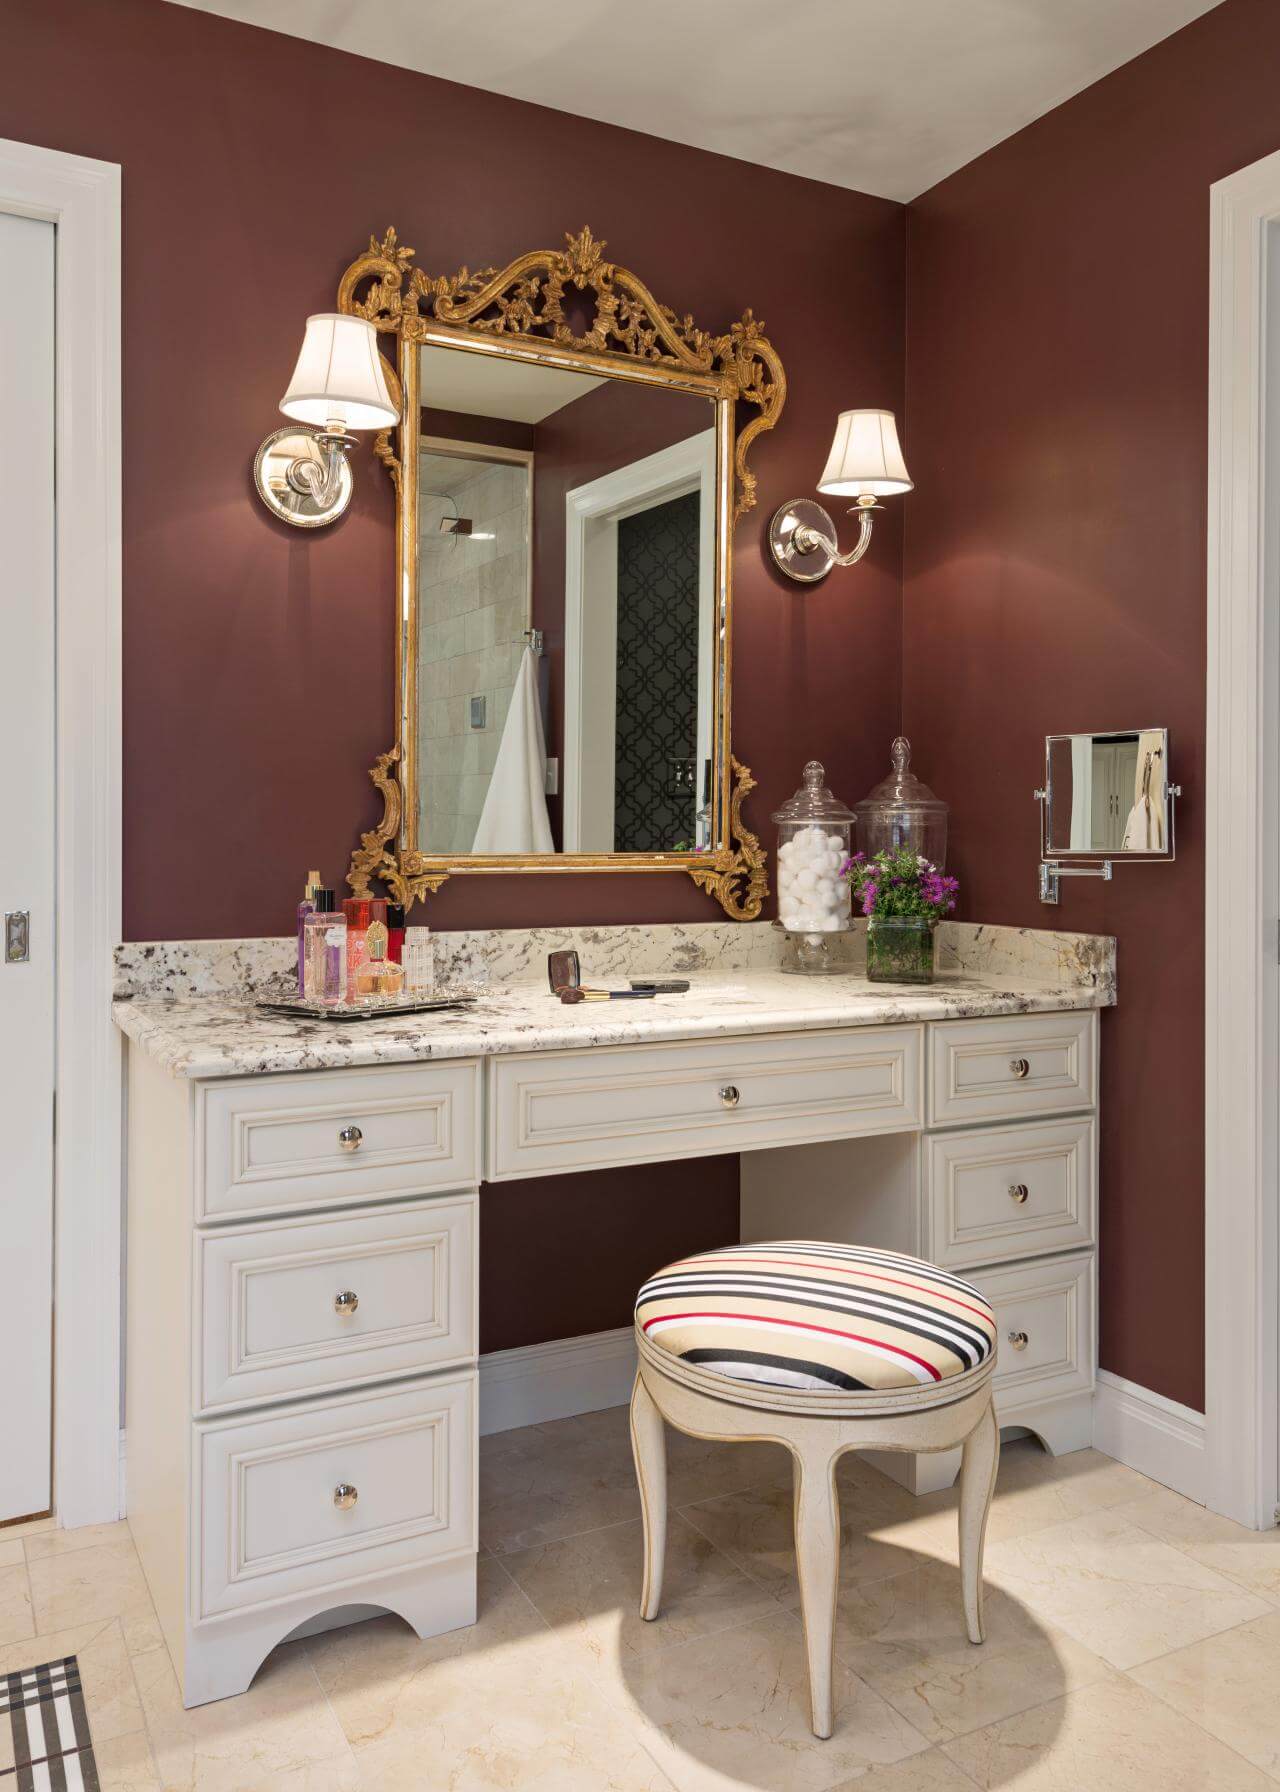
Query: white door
x: 26, y: 862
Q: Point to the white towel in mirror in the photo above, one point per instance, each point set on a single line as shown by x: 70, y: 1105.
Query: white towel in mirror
x: 514, y: 817
x: 1144, y: 830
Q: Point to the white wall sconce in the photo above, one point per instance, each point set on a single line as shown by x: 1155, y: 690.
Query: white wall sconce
x: 865, y: 463
x: 304, y: 475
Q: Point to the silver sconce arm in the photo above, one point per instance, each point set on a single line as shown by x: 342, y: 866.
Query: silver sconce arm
x: 321, y: 480
x: 803, y: 538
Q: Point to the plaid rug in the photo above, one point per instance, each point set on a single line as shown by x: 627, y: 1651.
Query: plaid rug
x: 52, y: 1751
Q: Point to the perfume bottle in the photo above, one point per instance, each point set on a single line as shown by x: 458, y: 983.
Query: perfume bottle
x: 377, y: 975
x: 324, y: 938
x: 363, y: 914
x: 419, y: 962
x: 395, y: 933
x: 305, y: 907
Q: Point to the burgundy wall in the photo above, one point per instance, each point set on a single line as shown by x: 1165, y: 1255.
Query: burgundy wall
x: 258, y: 681
x: 257, y: 658
x: 1055, y: 572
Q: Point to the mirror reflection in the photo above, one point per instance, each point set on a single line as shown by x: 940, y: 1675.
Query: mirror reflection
x: 1108, y: 793
x: 567, y: 628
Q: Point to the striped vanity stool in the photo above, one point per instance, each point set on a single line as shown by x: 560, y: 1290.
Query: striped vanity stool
x: 824, y: 1348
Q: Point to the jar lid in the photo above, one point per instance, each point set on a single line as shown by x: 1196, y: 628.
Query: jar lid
x: 813, y: 801
x: 901, y: 789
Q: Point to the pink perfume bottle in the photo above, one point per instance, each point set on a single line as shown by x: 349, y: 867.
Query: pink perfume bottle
x: 324, y: 956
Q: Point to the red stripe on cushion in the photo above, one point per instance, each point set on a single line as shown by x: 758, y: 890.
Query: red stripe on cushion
x: 867, y: 1275
x: 803, y: 1326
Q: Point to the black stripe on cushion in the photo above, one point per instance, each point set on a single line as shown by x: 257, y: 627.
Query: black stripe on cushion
x: 792, y: 1365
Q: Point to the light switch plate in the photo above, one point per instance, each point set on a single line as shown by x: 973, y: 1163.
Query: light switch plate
x: 552, y: 785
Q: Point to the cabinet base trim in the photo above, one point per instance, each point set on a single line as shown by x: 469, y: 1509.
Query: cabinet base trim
x: 1156, y: 1436
x: 539, y: 1382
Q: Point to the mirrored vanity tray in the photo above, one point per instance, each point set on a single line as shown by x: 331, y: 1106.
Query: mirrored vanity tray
x: 380, y: 1008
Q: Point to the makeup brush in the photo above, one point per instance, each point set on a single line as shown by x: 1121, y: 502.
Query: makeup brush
x: 574, y: 992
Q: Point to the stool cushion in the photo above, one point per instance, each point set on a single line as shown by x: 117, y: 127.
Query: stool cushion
x: 823, y: 1317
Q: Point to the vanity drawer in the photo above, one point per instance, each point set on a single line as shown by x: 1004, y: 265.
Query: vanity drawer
x: 1044, y: 1328
x: 1002, y: 1069
x: 327, y: 1137
x: 641, y: 1104
x: 269, y: 1525
x: 269, y: 1323
x: 1020, y: 1191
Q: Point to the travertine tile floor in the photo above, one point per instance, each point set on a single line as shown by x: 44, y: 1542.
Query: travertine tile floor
x: 1134, y: 1641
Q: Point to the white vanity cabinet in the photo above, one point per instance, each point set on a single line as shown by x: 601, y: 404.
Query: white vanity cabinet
x: 302, y: 1255
x: 301, y: 1368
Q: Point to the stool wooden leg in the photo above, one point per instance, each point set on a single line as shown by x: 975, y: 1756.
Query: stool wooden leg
x: 978, y: 1467
x: 817, y: 1518
x: 649, y: 1446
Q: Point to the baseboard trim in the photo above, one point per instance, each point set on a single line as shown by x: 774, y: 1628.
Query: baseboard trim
x: 1156, y: 1436
x: 540, y: 1382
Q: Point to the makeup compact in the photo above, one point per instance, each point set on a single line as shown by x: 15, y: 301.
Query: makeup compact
x: 564, y: 974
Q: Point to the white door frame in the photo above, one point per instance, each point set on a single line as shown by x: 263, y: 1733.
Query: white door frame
x: 82, y: 198
x: 672, y: 472
x: 1242, y: 811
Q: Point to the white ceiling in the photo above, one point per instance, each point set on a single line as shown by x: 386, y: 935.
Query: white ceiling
x: 496, y: 386
x: 885, y: 96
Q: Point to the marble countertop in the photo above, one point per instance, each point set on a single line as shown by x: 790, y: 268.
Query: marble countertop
x: 224, y: 1035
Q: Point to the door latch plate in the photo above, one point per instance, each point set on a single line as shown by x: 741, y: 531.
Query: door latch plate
x: 17, y: 937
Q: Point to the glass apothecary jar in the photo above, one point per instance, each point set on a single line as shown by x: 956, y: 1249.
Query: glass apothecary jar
x: 814, y: 837
x: 901, y: 811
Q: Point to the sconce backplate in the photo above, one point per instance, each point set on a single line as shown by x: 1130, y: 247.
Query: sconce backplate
x: 810, y: 564
x: 274, y: 474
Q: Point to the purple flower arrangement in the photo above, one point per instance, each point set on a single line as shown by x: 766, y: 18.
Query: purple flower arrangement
x: 900, y: 883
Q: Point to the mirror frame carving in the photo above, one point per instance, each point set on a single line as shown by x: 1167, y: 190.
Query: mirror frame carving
x: 519, y: 311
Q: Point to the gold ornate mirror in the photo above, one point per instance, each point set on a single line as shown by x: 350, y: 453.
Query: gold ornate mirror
x: 569, y: 467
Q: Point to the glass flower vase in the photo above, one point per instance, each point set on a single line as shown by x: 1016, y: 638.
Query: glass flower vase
x: 900, y: 949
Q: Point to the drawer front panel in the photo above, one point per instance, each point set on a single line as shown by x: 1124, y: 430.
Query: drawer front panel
x: 268, y: 1521
x: 1003, y: 1069
x: 272, y: 1324
x: 1044, y: 1328
x: 1019, y: 1192
x: 324, y: 1138
x: 641, y: 1104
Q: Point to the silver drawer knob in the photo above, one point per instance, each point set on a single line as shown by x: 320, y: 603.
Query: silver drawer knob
x: 349, y: 1138
x: 346, y: 1302
x: 729, y: 1096
x: 1018, y: 1340
x: 1019, y: 1067
x: 345, y: 1496
x: 1018, y: 1192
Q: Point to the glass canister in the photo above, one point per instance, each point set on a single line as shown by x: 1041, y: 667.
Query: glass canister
x: 901, y: 811
x: 814, y: 833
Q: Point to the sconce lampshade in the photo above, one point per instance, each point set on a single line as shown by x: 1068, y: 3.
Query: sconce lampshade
x: 338, y: 378
x: 865, y: 458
